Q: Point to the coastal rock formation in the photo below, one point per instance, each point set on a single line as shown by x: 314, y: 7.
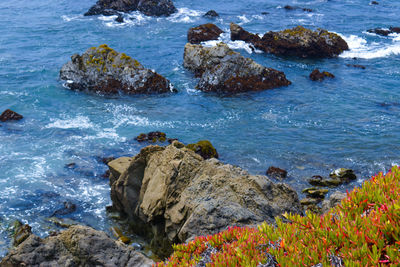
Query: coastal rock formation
x: 226, y: 71
x: 316, y: 75
x: 384, y: 32
x: 104, y: 70
x: 202, y: 33
x: 9, y: 115
x: 211, y: 14
x: 155, y: 8
x: 204, y: 148
x: 181, y: 195
x: 297, y: 41
x: 76, y: 246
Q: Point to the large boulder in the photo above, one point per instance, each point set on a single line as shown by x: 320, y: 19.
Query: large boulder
x: 148, y: 7
x: 297, y: 41
x: 102, y: 69
x: 223, y: 70
x: 174, y: 190
x: 204, y: 32
x: 76, y: 246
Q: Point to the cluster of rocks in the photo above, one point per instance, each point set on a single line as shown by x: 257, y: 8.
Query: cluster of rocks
x: 384, y: 32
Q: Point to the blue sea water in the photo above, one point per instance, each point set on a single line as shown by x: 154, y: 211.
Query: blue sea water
x: 308, y: 128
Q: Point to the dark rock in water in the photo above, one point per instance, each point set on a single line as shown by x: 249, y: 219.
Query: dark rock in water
x: 374, y: 3
x: 120, y: 19
x: 379, y: 31
x: 276, y: 172
x: 316, y: 75
x: 155, y: 8
x: 297, y: 41
x: 202, y: 33
x: 9, y: 115
x: 395, y: 29
x: 69, y: 207
x: 77, y: 246
x: 287, y: 7
x: 313, y: 192
x: 264, y: 13
x: 102, y: 69
x: 211, y: 14
x: 356, y: 66
x: 71, y: 165
x: 152, y: 137
x: 225, y: 71
x: 204, y: 148
x: 320, y: 181
x: 345, y: 175
x: 180, y: 195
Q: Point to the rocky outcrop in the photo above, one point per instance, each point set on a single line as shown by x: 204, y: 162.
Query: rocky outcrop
x: 104, y: 70
x: 76, y: 246
x: 9, y: 115
x: 211, y: 14
x: 316, y: 75
x: 297, y: 41
x: 155, y: 8
x: 202, y: 33
x: 223, y: 70
x: 177, y: 192
x: 204, y: 148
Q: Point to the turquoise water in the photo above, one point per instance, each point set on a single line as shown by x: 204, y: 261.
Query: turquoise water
x: 308, y: 128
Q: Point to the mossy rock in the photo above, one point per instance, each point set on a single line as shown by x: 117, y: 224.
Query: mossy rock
x: 204, y: 148
x: 315, y: 192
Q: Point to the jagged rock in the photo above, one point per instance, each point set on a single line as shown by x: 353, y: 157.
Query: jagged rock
x: 344, y: 175
x: 297, y: 41
x: 204, y: 148
x: 202, y: 33
x: 211, y: 14
x: 276, y: 173
x: 155, y: 8
x: 117, y: 167
x: 332, y: 201
x: 76, y: 246
x: 316, y: 75
x: 102, y: 69
x: 181, y: 195
x: 9, y: 115
x: 223, y: 70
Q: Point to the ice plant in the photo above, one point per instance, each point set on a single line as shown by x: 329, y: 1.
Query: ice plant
x: 364, y: 230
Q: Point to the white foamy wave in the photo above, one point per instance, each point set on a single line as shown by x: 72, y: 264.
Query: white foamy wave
x: 238, y: 44
x: 67, y: 18
x: 80, y: 122
x: 184, y: 15
x: 131, y: 19
x: 243, y: 19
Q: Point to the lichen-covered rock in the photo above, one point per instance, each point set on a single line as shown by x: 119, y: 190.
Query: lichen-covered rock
x: 297, y: 41
x: 76, y: 246
x: 181, y: 195
x: 316, y: 75
x: 102, y: 69
x: 204, y: 32
x: 155, y: 8
x: 9, y: 115
x: 318, y: 180
x: 313, y: 192
x: 223, y: 70
x: 204, y: 148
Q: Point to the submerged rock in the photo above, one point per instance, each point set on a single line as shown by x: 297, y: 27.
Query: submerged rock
x: 211, y: 14
x: 297, y: 41
x: 287, y: 7
x: 225, y: 71
x: 204, y: 148
x: 356, y: 66
x: 76, y: 246
x: 180, y: 195
x: 155, y: 8
x: 102, y: 69
x: 204, y: 32
x: 316, y: 75
x: 276, y: 173
x: 9, y: 115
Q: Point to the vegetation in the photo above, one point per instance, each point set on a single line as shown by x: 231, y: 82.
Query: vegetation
x: 364, y: 230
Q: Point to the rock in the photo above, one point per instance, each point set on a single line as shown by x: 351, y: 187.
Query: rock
x: 211, y: 14
x: 264, y: 13
x: 313, y: 192
x: 225, y: 71
x: 277, y: 173
x: 20, y: 232
x: 64, y: 223
x: 76, y: 246
x: 332, y: 201
x: 69, y: 207
x: 374, y: 3
x: 102, y: 69
x: 395, y: 29
x: 316, y: 75
x: 320, y: 181
x: 118, y: 234
x: 310, y: 201
x: 9, y: 115
x: 117, y: 167
x: 204, y: 32
x: 106, y: 160
x: 152, y: 137
x: 120, y: 18
x: 287, y: 7
x: 155, y: 8
x: 179, y: 195
x: 356, y: 66
x: 238, y: 33
x: 379, y: 31
x: 297, y: 41
x: 204, y: 148
x: 345, y: 175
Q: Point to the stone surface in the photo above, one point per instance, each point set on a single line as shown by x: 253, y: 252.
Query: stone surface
x: 204, y: 148
x: 332, y: 201
x: 9, y: 115
x: 102, y: 69
x: 211, y: 14
x: 297, y: 41
x: 313, y: 192
x: 318, y: 180
x: 148, y: 7
x: 202, y: 33
x: 181, y: 195
x: 343, y: 174
x: 225, y: 71
x: 76, y: 246
x: 316, y: 75
x: 277, y: 173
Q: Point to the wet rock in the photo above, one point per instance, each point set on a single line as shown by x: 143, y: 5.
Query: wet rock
x: 344, y: 175
x: 64, y: 223
x: 155, y: 8
x: 379, y: 31
x: 118, y: 234
x: 264, y: 13
x: 211, y: 14
x: 310, y: 201
x: 276, y: 173
x: 117, y: 167
x: 204, y: 148
x: 77, y: 246
x: 374, y: 3
x: 120, y: 18
x: 321, y: 181
x: 238, y: 33
x: 69, y: 207
x: 287, y: 7
x: 225, y: 71
x: 202, y: 33
x: 297, y: 41
x: 20, y: 232
x: 9, y: 115
x: 395, y: 29
x: 356, y: 66
x: 71, y: 165
x: 314, y: 192
x: 332, y: 201
x: 181, y: 195
x: 316, y: 75
x: 152, y: 137
x: 104, y: 70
